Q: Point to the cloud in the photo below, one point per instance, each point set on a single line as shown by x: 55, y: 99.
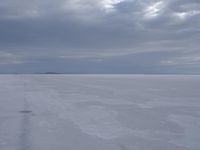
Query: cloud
x: 78, y: 29
x: 153, y: 10
x: 188, y: 59
x: 8, y: 58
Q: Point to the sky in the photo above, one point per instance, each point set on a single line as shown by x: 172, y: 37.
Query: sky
x: 100, y: 36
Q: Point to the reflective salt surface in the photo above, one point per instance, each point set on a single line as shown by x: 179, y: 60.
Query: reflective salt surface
x: 99, y: 112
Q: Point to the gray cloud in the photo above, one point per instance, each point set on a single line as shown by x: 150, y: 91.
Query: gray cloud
x: 8, y: 58
x: 107, y: 29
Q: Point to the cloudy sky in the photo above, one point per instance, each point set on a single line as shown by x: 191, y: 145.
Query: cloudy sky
x: 100, y: 36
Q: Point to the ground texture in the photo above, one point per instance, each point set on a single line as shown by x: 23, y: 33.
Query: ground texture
x: 99, y: 112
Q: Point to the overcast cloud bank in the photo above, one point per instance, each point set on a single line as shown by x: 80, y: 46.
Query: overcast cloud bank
x: 130, y: 36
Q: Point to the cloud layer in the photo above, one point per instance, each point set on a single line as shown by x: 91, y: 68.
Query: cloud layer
x: 101, y: 30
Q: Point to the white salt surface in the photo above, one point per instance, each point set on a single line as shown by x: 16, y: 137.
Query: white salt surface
x: 99, y: 112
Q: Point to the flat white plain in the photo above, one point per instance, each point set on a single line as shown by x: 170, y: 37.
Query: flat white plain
x: 99, y: 112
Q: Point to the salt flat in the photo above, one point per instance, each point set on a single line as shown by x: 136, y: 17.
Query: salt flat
x: 99, y: 112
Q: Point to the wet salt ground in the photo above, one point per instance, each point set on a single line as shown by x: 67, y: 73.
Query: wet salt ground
x: 99, y: 112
